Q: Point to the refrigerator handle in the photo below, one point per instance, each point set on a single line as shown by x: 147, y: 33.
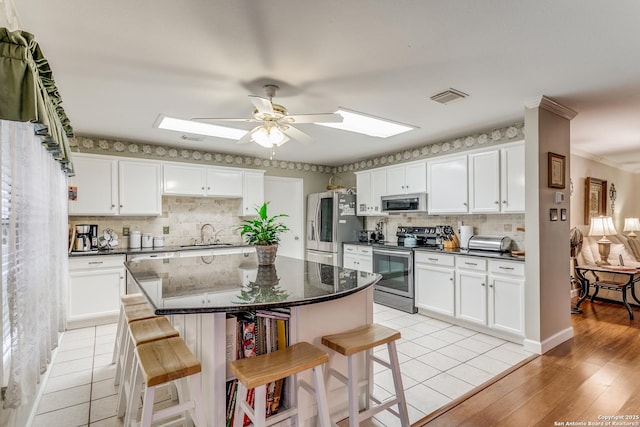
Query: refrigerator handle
x: 317, y: 219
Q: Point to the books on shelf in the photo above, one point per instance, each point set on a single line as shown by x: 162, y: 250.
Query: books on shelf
x: 254, y: 334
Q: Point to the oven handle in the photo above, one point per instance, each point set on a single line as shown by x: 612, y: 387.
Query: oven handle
x: 405, y: 254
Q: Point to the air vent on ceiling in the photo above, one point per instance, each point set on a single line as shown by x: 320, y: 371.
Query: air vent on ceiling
x: 448, y: 95
x: 192, y: 138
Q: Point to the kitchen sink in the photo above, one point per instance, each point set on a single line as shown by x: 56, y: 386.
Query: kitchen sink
x: 204, y: 245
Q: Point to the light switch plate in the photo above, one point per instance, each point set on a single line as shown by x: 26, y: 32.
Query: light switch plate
x: 165, y: 229
x: 125, y: 231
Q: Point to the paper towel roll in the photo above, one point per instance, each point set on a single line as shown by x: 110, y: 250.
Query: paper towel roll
x: 466, y: 231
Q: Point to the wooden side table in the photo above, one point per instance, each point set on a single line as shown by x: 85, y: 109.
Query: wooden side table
x: 630, y: 276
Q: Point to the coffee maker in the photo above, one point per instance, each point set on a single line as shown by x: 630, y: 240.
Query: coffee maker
x: 85, y: 238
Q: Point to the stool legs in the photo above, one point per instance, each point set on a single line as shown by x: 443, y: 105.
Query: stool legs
x: 321, y: 397
x: 397, y: 382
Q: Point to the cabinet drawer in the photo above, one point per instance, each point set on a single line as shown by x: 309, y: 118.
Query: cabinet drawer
x: 434, y: 258
x: 365, y: 250
x: 471, y: 263
x: 350, y: 249
x: 95, y: 262
x: 506, y: 267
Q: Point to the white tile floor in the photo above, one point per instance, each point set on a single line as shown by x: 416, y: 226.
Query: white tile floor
x: 439, y: 362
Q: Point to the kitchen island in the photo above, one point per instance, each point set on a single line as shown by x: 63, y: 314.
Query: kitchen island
x: 197, y: 294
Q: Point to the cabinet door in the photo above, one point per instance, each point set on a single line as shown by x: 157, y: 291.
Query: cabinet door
x: 183, y: 180
x: 512, y: 180
x: 447, y: 182
x: 506, y: 304
x: 365, y: 259
x: 363, y: 196
x: 252, y: 192
x: 139, y: 188
x: 378, y: 189
x: 224, y: 183
x: 471, y: 301
x: 94, y: 294
x: 415, y: 178
x: 96, y: 182
x: 435, y: 289
x: 484, y: 182
x: 350, y: 261
x: 395, y: 181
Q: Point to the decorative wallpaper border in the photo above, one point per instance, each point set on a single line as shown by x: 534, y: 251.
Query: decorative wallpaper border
x: 503, y: 135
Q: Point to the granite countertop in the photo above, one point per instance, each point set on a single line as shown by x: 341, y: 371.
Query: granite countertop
x: 235, y: 282
x: 457, y: 251
x: 129, y: 251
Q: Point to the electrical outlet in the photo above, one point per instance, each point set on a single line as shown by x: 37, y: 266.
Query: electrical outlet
x: 125, y: 231
x: 165, y: 261
x: 165, y: 229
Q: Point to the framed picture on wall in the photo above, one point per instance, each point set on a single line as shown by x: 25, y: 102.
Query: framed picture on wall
x: 556, y: 168
x: 595, y: 198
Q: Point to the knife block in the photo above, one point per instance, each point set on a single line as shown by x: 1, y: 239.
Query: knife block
x: 454, y: 243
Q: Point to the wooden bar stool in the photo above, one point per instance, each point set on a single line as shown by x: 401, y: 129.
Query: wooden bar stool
x: 140, y: 332
x: 257, y: 372
x: 158, y: 363
x: 131, y: 313
x: 129, y: 299
x: 365, y: 338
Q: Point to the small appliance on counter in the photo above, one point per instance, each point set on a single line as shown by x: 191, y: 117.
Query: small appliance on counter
x: 147, y: 240
x: 490, y: 243
x: 85, y: 238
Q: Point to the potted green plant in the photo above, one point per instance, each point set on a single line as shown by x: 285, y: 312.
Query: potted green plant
x: 264, y: 233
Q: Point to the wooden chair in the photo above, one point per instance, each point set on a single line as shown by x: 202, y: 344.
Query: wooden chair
x: 355, y: 341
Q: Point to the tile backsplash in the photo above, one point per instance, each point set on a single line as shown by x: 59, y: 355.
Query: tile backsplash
x: 183, y: 215
x: 497, y: 225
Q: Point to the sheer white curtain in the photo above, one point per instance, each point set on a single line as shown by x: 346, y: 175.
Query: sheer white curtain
x: 34, y: 259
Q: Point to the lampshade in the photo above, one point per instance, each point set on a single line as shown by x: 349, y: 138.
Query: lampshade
x: 602, y: 226
x: 268, y: 136
x: 632, y: 225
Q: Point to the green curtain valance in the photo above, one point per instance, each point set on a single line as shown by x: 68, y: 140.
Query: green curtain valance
x: 29, y: 94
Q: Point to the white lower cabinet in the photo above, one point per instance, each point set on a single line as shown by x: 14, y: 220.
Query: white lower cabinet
x: 95, y: 286
x: 434, y: 282
x: 357, y: 257
x: 506, y: 296
x: 471, y: 304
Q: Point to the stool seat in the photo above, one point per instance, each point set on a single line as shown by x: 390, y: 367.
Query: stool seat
x: 131, y: 299
x: 360, y: 339
x: 147, y: 330
x: 261, y: 370
x: 136, y: 312
x: 166, y: 360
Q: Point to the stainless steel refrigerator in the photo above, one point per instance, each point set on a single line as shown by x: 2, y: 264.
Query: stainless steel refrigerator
x: 331, y: 220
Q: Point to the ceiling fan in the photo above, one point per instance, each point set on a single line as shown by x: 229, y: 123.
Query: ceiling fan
x: 275, y: 123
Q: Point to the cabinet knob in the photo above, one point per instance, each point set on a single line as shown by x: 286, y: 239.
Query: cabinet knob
x: 504, y: 201
x: 208, y: 188
x: 464, y: 203
x: 120, y: 205
x: 451, y: 279
x: 481, y: 284
x: 202, y: 188
x: 497, y: 202
x: 491, y: 286
x: 113, y: 206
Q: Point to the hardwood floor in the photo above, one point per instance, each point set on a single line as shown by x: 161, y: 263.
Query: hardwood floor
x: 594, y: 374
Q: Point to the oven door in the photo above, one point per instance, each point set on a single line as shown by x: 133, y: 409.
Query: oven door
x: 396, y: 268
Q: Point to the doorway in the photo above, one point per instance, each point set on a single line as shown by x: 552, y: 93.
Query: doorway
x: 285, y: 195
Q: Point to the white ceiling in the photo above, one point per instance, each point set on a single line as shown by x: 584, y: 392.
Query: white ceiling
x: 120, y: 63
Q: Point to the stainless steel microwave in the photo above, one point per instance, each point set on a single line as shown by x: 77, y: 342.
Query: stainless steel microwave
x: 405, y: 203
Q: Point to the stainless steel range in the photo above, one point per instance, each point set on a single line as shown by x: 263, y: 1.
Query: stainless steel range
x: 394, y: 260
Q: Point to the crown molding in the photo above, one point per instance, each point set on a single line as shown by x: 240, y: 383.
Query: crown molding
x: 552, y: 106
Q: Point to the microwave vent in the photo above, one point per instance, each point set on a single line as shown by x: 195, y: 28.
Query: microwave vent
x: 448, y: 95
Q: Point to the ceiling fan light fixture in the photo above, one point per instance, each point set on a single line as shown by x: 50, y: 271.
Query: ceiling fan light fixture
x: 198, y: 128
x: 268, y: 136
x: 368, y: 125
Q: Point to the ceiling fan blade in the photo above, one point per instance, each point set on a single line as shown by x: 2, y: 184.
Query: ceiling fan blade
x: 298, y: 135
x: 316, y: 118
x: 215, y: 119
x: 247, y: 138
x: 263, y: 105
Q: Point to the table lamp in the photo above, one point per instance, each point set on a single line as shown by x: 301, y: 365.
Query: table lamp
x: 632, y: 225
x: 603, y: 226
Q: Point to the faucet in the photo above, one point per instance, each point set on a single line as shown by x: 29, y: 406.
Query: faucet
x: 202, y: 232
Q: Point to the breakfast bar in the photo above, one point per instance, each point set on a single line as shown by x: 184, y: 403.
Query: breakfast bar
x: 198, y: 295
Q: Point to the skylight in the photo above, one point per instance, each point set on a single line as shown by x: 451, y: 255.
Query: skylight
x: 198, y: 128
x: 368, y: 125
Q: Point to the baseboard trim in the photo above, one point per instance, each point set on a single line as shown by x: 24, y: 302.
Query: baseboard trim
x: 551, y: 342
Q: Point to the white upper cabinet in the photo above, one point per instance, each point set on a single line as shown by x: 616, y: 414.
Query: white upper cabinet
x: 447, y: 185
x: 224, y: 182
x: 512, y: 178
x: 407, y: 178
x: 108, y: 186
x: 139, y: 188
x: 484, y: 182
x: 371, y: 186
x: 184, y: 179
x: 252, y: 192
